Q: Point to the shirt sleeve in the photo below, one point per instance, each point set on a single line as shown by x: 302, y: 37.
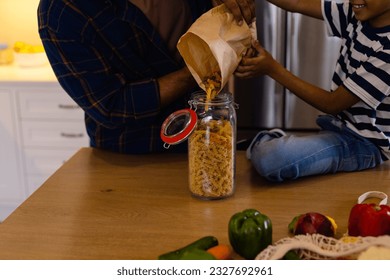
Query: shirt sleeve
x: 105, y: 96
x: 335, y: 16
x: 370, y: 82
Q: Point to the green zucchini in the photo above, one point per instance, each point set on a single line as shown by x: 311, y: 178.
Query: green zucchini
x: 203, y: 243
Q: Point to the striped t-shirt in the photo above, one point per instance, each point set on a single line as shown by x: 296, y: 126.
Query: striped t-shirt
x: 363, y: 68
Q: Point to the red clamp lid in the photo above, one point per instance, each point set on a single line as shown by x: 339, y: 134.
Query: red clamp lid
x: 178, y: 126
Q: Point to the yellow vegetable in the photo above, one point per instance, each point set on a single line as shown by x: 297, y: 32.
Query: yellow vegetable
x: 333, y: 222
x: 350, y: 239
x: 22, y: 47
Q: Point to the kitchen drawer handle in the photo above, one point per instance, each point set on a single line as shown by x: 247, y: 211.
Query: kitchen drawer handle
x: 72, y: 135
x: 68, y: 106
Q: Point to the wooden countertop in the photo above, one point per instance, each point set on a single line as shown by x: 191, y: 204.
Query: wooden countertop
x: 10, y: 74
x: 101, y: 205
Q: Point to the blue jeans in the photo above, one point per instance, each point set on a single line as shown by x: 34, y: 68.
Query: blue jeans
x: 335, y: 148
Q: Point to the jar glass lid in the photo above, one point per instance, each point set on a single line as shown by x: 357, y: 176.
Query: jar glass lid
x: 178, y: 126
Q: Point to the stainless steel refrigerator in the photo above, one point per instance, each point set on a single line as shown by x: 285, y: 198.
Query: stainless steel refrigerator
x: 302, y: 45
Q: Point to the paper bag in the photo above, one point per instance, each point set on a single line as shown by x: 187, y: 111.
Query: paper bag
x: 215, y: 43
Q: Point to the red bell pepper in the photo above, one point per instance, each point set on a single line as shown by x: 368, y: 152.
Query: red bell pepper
x: 369, y: 220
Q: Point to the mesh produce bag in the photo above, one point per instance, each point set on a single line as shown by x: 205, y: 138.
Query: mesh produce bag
x: 320, y: 247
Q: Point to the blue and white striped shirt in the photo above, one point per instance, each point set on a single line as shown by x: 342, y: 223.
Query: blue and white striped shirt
x: 363, y: 68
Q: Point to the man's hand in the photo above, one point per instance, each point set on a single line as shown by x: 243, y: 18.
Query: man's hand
x: 241, y: 9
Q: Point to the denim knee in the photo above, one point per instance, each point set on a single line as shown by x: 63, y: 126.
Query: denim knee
x: 268, y: 160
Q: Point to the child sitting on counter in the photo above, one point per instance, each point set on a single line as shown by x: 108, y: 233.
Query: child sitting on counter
x: 355, y: 132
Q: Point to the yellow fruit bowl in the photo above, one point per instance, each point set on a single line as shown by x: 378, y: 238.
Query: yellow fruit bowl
x: 30, y: 59
x: 26, y: 55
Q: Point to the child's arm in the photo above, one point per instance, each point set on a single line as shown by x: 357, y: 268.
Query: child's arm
x: 325, y: 101
x: 310, y: 8
x: 245, y: 9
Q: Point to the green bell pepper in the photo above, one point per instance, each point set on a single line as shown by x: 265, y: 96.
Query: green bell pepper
x: 250, y: 232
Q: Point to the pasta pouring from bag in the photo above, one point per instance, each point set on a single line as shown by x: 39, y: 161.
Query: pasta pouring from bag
x: 214, y: 45
x: 212, y: 85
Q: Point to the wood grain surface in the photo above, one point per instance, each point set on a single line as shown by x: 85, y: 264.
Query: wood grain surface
x: 101, y: 205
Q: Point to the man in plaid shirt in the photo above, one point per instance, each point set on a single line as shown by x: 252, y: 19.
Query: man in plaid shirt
x: 118, y: 60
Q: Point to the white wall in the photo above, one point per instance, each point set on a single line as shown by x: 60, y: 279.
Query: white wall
x: 18, y: 21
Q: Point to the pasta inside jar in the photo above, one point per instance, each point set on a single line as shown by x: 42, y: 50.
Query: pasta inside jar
x: 211, y: 160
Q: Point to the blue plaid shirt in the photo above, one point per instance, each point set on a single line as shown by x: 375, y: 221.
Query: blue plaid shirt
x: 107, y: 56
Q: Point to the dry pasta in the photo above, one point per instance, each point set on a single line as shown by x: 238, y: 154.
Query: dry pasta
x: 212, y: 85
x: 211, y: 159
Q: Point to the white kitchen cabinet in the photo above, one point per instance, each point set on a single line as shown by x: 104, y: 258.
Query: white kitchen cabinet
x: 12, y: 192
x: 40, y: 128
x: 51, y: 128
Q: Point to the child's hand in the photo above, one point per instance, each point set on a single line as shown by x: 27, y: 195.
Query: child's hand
x: 253, y: 65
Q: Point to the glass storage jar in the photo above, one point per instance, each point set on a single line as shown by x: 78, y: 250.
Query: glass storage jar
x: 210, y: 127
